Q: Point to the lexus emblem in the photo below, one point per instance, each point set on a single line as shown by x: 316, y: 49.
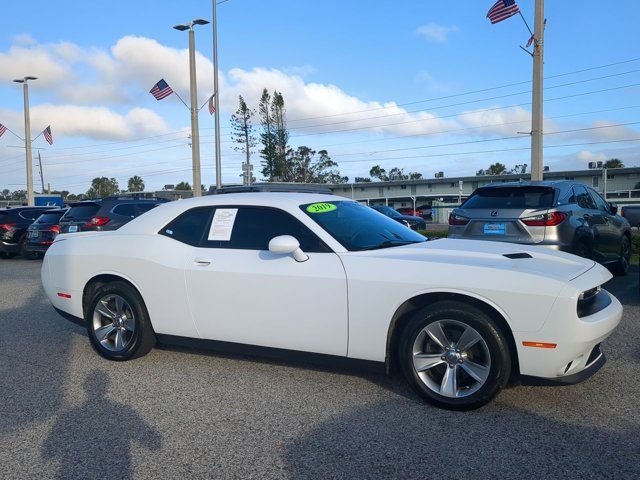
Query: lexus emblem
x: 494, y: 213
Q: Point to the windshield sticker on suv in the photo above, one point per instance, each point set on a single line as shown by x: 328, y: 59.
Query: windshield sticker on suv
x: 321, y: 207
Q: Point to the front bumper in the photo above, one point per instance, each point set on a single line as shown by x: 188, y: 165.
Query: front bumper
x: 576, y: 354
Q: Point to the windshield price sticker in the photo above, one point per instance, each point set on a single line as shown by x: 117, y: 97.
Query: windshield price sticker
x: 222, y: 224
x: 321, y: 207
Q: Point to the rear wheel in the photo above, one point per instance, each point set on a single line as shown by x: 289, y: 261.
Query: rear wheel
x: 621, y: 267
x: 454, y: 355
x: 118, y: 323
x: 24, y: 253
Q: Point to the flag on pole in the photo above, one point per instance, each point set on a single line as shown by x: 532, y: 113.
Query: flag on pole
x: 161, y: 90
x: 212, y: 107
x: 47, y: 135
x: 2, y: 129
x: 502, y: 10
x: 531, y: 40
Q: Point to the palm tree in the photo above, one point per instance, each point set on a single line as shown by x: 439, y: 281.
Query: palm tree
x: 135, y: 184
x: 614, y: 163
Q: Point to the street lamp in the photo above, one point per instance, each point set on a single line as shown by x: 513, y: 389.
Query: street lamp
x: 195, y: 135
x: 27, y: 137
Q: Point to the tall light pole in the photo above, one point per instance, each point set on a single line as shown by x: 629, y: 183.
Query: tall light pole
x: 216, y: 97
x: 27, y: 138
x: 195, y: 133
x: 536, y: 118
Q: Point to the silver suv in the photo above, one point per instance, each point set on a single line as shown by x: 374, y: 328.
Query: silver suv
x: 562, y: 215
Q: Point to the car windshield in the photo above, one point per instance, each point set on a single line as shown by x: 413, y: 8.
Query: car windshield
x: 511, y: 197
x: 388, y: 211
x: 51, y: 217
x: 358, y: 227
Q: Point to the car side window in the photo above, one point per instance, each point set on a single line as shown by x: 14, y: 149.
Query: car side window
x: 189, y: 227
x: 583, y: 199
x: 254, y: 227
x: 126, y: 209
x: 601, y: 204
x: 31, y: 214
x: 567, y: 197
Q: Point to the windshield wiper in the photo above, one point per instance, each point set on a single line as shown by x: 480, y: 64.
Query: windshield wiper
x: 389, y: 243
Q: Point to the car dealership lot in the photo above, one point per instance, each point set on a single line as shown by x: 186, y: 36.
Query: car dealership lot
x: 66, y: 412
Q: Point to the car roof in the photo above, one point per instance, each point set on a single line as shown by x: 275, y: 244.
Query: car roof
x: 165, y: 212
x: 529, y: 183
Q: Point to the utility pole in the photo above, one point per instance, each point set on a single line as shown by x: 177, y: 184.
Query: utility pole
x: 195, y: 133
x: 41, y: 175
x: 216, y: 97
x: 537, y: 112
x: 27, y: 138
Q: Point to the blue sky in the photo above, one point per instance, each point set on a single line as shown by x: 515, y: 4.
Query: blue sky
x: 96, y: 65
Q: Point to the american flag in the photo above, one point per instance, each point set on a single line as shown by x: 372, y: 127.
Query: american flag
x: 2, y: 129
x: 212, y: 107
x: 531, y: 40
x: 161, y: 90
x: 47, y: 135
x: 502, y: 10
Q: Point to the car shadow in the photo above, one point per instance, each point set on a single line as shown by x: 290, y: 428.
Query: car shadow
x: 397, y: 439
x: 626, y: 288
x: 94, y: 440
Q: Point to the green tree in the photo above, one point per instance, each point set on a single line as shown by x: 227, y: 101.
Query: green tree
x: 135, y: 184
x: 103, y: 187
x: 613, y: 163
x: 18, y: 195
x: 415, y: 176
x: 267, y: 137
x: 183, y: 186
x: 242, y: 131
x: 519, y: 169
x: 397, y: 174
x: 5, y: 194
x: 362, y: 180
x: 494, y: 169
x: 378, y: 172
x: 281, y: 135
x: 305, y: 165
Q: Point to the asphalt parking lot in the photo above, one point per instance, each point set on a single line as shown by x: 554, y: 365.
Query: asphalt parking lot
x: 67, y: 413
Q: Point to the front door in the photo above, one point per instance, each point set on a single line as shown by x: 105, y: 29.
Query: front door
x: 240, y: 292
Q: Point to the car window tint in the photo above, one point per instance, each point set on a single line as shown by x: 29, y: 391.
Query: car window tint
x: 50, y: 217
x: 82, y: 211
x: 567, y: 197
x: 254, y: 227
x: 511, y: 197
x: 30, y: 214
x: 583, y: 199
x: 601, y: 204
x: 144, y: 207
x: 189, y: 227
x: 126, y: 209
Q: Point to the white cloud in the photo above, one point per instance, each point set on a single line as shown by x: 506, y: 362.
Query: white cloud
x: 99, y: 123
x: 37, y: 61
x: 497, y: 121
x: 585, y: 156
x: 436, y: 33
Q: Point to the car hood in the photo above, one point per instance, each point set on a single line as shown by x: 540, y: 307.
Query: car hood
x: 526, y: 259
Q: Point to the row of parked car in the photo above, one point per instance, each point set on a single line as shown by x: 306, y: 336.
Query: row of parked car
x: 29, y: 231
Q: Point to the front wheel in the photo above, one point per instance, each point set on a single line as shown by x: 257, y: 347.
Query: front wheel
x: 621, y: 267
x: 118, y: 322
x: 454, y: 355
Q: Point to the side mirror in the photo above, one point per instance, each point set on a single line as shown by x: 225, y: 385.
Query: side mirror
x: 287, y: 245
x: 613, y: 209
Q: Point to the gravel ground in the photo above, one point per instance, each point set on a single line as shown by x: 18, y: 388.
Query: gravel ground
x: 67, y: 413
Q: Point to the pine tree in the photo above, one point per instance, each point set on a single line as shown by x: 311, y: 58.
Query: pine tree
x: 267, y: 136
x: 281, y: 135
x: 242, y: 132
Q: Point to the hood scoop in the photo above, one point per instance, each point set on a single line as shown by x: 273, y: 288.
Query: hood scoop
x: 515, y: 256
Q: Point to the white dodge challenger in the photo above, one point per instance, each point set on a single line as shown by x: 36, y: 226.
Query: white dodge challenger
x: 294, y: 273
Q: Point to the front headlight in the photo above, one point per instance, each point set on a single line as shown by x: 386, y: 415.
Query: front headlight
x: 592, y: 301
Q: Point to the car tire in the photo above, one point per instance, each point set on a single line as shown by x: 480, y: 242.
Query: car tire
x: 582, y: 249
x: 621, y: 267
x: 118, y: 323
x: 467, y: 385
x: 23, y: 249
x: 7, y: 255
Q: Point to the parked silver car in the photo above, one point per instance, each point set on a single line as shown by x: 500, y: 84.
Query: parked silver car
x: 562, y: 215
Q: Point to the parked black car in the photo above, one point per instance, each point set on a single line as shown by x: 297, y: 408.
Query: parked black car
x: 42, y: 232
x: 561, y: 215
x: 108, y: 213
x: 414, y: 223
x: 13, y: 228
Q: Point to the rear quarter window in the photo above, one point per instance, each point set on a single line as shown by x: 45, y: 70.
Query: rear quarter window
x: 82, y: 211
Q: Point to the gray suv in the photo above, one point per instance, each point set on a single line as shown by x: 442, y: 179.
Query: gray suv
x: 562, y: 215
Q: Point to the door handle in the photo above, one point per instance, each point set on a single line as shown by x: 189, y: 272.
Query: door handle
x: 202, y: 262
